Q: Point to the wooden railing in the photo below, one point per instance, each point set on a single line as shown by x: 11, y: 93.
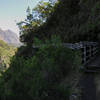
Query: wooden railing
x: 88, y: 49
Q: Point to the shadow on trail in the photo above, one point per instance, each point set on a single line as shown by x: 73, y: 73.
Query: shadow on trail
x: 88, y: 86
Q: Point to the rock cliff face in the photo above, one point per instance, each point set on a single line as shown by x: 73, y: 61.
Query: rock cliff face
x: 9, y: 37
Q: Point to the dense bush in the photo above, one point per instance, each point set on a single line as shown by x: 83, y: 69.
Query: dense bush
x: 39, y: 77
x: 73, y: 20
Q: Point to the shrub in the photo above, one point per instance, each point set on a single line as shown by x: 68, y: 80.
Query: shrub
x: 39, y: 77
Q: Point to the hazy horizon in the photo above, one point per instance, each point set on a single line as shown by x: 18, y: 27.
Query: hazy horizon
x: 13, y: 11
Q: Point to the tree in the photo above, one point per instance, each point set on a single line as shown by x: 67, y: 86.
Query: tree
x: 35, y: 18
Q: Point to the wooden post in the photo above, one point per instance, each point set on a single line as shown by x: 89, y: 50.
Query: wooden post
x: 90, y: 52
x: 84, y: 53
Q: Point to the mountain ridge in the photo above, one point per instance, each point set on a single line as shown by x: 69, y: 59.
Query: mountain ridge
x: 9, y: 37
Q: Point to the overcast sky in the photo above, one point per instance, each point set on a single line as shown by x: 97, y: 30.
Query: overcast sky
x: 12, y: 11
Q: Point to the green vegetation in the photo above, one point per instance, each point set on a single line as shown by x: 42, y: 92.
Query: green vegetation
x: 51, y: 71
x: 35, y: 18
x: 42, y: 76
x: 6, y: 52
x: 72, y: 20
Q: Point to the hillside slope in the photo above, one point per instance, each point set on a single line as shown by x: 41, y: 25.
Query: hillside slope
x: 6, y: 52
x: 50, y: 73
x: 73, y: 20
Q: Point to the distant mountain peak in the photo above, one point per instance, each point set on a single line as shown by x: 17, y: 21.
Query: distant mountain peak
x: 8, y: 30
x: 9, y: 36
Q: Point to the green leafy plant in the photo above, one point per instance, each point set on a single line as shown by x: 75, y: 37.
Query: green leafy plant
x: 39, y: 77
